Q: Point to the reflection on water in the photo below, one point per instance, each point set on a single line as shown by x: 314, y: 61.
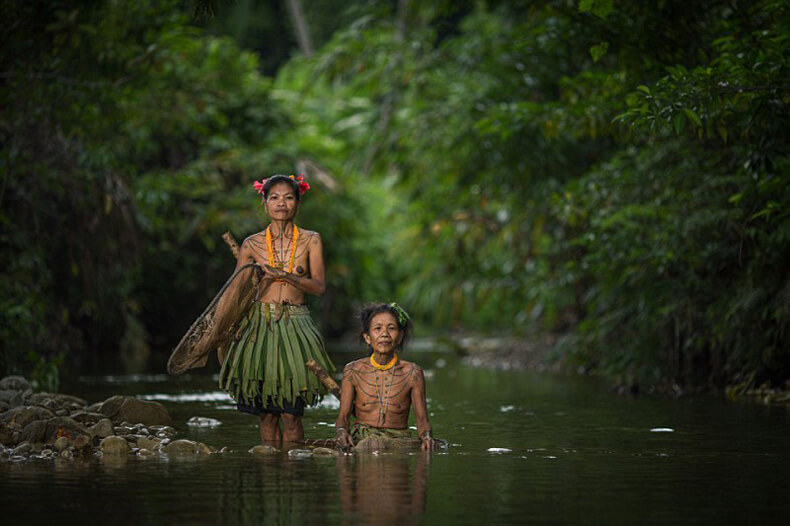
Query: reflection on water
x: 382, y: 488
x: 525, y: 448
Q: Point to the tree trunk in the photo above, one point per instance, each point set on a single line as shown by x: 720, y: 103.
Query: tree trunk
x: 300, y: 25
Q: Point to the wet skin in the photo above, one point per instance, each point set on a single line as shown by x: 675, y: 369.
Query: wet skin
x: 308, y: 276
x: 382, y: 398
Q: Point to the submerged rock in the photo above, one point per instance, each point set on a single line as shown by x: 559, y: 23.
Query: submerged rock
x: 113, y: 445
x: 181, y: 447
x: 201, y: 421
x: 263, y: 450
x: 325, y: 451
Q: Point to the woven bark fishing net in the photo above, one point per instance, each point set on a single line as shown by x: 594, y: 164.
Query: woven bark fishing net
x: 214, y: 329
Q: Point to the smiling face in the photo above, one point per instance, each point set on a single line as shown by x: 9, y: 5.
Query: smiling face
x: 384, y: 334
x: 281, y: 202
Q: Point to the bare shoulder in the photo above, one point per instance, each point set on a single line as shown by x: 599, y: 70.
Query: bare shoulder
x: 254, y: 240
x: 410, y: 368
x: 310, y: 237
x: 358, y: 366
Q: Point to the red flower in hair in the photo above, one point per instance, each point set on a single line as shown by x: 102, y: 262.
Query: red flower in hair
x: 259, y: 185
x: 303, y: 185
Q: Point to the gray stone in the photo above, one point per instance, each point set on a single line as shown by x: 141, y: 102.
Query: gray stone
x: 114, y: 446
x: 122, y: 430
x: 264, y: 450
x: 127, y: 408
x: 61, y: 444
x: 66, y: 453
x: 86, y: 417
x: 61, y: 401
x: 102, y: 429
x: 23, y: 415
x: 94, y: 408
x: 35, y: 431
x: 146, y: 453
x: 11, y: 398
x: 14, y: 383
x: 23, y: 448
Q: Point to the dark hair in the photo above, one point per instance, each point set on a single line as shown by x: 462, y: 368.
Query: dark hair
x: 277, y: 179
x: 369, y: 310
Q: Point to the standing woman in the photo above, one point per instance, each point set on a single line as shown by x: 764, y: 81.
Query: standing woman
x: 264, y: 367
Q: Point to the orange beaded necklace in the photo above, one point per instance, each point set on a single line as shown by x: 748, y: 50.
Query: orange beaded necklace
x: 271, y: 251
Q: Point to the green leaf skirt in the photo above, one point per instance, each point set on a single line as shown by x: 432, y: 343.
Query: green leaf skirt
x: 266, y: 359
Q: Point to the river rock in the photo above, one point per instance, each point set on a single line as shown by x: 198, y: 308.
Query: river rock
x: 300, y: 453
x: 146, y: 453
x: 61, y: 444
x: 25, y: 414
x: 60, y: 401
x: 114, y: 445
x: 86, y: 417
x: 126, y: 408
x: 23, y: 448
x: 203, y: 421
x: 181, y: 447
x: 64, y: 426
x: 325, y: 452
x: 81, y: 442
x: 264, y: 450
x: 35, y: 431
x: 205, y: 449
x: 11, y: 398
x: 148, y: 443
x: 102, y: 429
x: 14, y: 383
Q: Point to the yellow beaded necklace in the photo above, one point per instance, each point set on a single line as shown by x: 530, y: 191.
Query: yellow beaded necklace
x: 389, y: 365
x: 271, y: 251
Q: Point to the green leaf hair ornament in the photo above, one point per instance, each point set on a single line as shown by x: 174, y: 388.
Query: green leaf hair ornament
x: 403, y: 316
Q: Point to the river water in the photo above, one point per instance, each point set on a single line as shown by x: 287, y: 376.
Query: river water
x: 526, y: 447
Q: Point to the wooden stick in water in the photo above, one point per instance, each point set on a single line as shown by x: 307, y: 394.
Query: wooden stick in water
x: 323, y: 377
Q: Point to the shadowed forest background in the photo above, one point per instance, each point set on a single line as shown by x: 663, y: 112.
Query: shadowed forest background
x: 614, y: 174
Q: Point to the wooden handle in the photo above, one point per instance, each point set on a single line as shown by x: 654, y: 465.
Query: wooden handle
x: 323, y: 377
x: 232, y: 244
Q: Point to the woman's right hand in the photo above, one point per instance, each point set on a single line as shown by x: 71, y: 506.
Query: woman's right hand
x: 343, y: 440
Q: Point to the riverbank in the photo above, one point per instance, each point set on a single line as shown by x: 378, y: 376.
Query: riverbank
x: 540, y: 354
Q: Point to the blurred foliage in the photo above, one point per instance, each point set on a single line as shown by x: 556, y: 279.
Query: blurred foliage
x: 615, y: 172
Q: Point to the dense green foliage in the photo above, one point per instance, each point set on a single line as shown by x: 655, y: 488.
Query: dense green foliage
x: 613, y: 172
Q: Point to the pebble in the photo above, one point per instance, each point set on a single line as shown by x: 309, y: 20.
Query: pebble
x: 61, y: 443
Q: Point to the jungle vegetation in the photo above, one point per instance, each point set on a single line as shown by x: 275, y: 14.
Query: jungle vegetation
x: 615, y: 173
